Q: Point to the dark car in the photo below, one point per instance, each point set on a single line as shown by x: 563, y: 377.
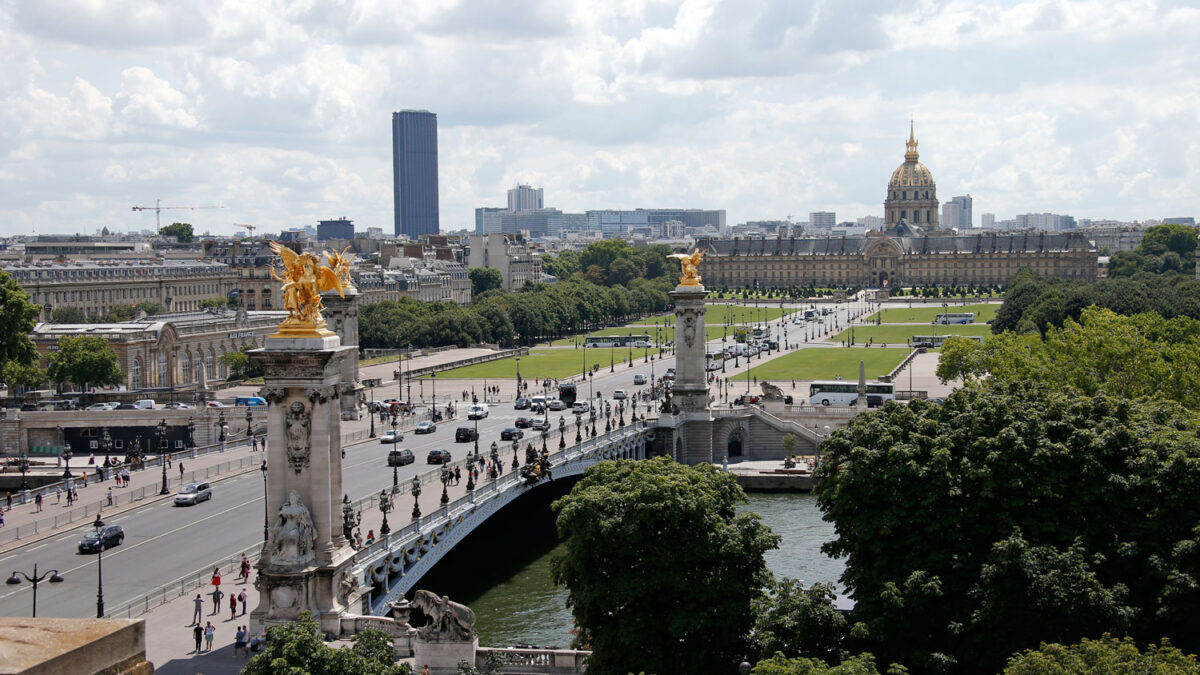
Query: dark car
x: 125, y: 406
x: 425, y: 427
x: 511, y: 434
x: 521, y: 404
x: 401, y: 457
x: 523, y: 422
x: 102, y: 538
x: 465, y: 435
x: 438, y: 457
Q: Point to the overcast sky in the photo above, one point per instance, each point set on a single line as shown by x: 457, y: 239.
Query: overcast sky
x: 281, y: 111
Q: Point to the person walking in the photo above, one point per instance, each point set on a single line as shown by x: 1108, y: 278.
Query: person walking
x: 181, y: 472
x: 242, y: 599
x: 1, y: 517
x: 232, y: 606
x: 37, y: 501
x: 57, y: 494
x: 457, y: 479
x: 217, y: 595
x: 198, y: 612
x: 110, y: 497
x: 210, y: 632
x: 245, y: 568
x: 239, y: 642
x: 198, y: 634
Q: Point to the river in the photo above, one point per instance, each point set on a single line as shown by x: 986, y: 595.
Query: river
x: 523, y: 606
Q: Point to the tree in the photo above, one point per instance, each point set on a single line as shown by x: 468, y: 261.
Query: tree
x: 484, y: 279
x: 16, y: 374
x: 798, y: 621
x: 1171, y: 237
x: 67, y: 314
x: 181, y: 231
x: 240, y: 365
x: 1014, y: 513
x: 295, y: 648
x: 660, y: 569
x: 623, y: 271
x: 84, y: 361
x: 863, y: 664
x: 17, y: 318
x: 214, y: 303
x: 1105, y: 656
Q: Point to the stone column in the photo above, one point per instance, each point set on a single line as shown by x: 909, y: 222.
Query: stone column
x: 306, y: 554
x: 342, y: 315
x: 690, y: 416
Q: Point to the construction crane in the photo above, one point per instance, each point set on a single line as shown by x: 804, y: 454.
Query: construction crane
x: 251, y: 228
x: 158, y: 208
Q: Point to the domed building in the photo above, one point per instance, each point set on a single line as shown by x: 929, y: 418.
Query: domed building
x: 911, y: 194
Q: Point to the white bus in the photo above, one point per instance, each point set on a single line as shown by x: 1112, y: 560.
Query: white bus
x: 945, y: 319
x: 845, y: 392
x: 934, y: 341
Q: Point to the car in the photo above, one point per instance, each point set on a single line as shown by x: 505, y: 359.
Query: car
x: 425, y: 427
x: 671, y: 370
x: 400, y: 457
x: 669, y: 376
x: 639, y: 379
x: 521, y: 404
x: 477, y: 411
x: 144, y: 404
x: 391, y: 437
x: 214, y: 404
x: 98, y: 539
x: 249, y: 401
x: 540, y: 424
x: 511, y: 434
x: 465, y: 434
x: 619, y: 394
x: 641, y: 343
x: 177, y: 406
x: 556, y: 405
x: 438, y: 457
x: 193, y: 493
x: 523, y: 422
x: 94, y: 406
x: 581, y: 407
x: 125, y: 406
x: 32, y: 407
x: 746, y: 400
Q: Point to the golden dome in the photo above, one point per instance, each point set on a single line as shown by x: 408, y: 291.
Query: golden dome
x: 911, y: 173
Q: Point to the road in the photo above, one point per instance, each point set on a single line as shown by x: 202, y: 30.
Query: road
x: 164, y: 542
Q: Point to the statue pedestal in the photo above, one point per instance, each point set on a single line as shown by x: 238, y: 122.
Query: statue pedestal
x: 442, y: 656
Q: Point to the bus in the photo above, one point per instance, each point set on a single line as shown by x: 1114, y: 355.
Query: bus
x: 615, y: 340
x: 946, y: 319
x: 566, y: 393
x: 934, y: 341
x: 845, y: 392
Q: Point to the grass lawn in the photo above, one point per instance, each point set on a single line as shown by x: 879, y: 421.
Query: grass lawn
x: 927, y: 313
x: 717, y: 314
x: 710, y: 331
x: 826, y: 364
x: 542, y: 363
x: 899, y: 334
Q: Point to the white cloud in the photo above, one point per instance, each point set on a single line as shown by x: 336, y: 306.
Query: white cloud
x: 147, y: 100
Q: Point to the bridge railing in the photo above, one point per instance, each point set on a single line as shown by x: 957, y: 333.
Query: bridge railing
x: 183, y: 585
x: 518, y: 660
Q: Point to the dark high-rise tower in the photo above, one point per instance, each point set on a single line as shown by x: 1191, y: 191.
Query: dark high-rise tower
x: 415, y: 172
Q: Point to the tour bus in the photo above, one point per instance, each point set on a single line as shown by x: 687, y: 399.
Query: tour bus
x: 965, y: 317
x: 810, y: 314
x: 712, y: 360
x: 845, y: 392
x: 934, y: 341
x: 614, y: 340
x: 566, y: 392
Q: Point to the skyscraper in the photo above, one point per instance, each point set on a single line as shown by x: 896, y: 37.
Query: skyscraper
x: 415, y: 172
x: 524, y: 198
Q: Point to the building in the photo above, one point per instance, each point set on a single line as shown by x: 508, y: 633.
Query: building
x: 97, y: 287
x: 956, y: 213
x: 613, y: 223
x: 822, y: 220
x: 489, y: 220
x: 415, y: 173
x: 988, y: 221
x: 870, y: 222
x: 335, y: 229
x: 525, y: 198
x: 911, y: 193
x: 1050, y: 222
x: 516, y: 259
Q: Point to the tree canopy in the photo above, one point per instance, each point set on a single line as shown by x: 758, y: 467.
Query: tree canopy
x: 1104, y: 656
x: 295, y: 648
x: 182, y: 231
x: 17, y: 318
x: 660, y: 570
x: 1164, y: 248
x: 484, y: 279
x: 84, y: 361
x: 1013, y: 514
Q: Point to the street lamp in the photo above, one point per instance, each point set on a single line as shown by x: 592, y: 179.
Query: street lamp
x: 578, y: 427
x: 416, y: 493
x: 516, y: 464
x: 385, y: 505
x: 161, y: 433
x: 35, y: 579
x: 25, y: 486
x: 370, y: 412
x: 562, y: 432
x: 612, y: 356
x: 433, y: 387
x: 106, y: 443
x: 446, y: 476
x: 98, y: 524
x: 66, y: 452
x: 191, y: 439
x: 544, y: 435
x: 249, y: 423
x: 266, y: 512
x: 224, y: 427
x: 471, y: 475
x: 395, y: 480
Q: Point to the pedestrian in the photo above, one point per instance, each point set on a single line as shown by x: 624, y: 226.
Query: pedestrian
x: 253, y: 448
x: 457, y: 480
x: 181, y: 472
x: 239, y: 641
x: 245, y: 568
x: 242, y: 599
x: 198, y: 633
x: 209, y: 633
x: 370, y: 537
x: 198, y: 610
x: 8, y: 500
x: 110, y: 502
x: 216, y: 596
x: 57, y: 494
x: 37, y: 500
x: 216, y: 577
x: 1, y: 517
x: 232, y: 606
x: 70, y: 497
x: 425, y: 670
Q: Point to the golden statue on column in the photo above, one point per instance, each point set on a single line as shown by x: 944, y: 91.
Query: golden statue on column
x: 690, y: 263
x: 304, y: 279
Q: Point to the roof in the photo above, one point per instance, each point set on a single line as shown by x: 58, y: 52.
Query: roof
x: 1028, y: 242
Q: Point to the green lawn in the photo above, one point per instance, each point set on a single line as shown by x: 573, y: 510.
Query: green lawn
x: 900, y: 334
x: 542, y: 363
x: 720, y: 313
x: 927, y: 313
x: 712, y: 333
x: 826, y: 364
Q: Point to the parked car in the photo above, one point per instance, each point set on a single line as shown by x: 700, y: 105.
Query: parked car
x: 521, y: 404
x: 98, y: 539
x: 465, y: 435
x: 144, y: 404
x: 511, y: 434
x: 215, y: 404
x: 540, y: 424
x: 125, y: 406
x: 619, y: 394
x: 746, y: 400
x: 400, y: 457
x: 391, y: 437
x: 639, y: 379
x: 249, y: 400
x: 641, y: 343
x: 193, y: 493
x: 177, y: 406
x: 425, y: 427
x: 581, y: 407
x: 523, y: 422
x: 94, y: 406
x: 438, y: 457
x: 556, y: 405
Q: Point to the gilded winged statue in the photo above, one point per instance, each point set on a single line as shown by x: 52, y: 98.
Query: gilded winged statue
x: 690, y: 263
x: 304, y: 278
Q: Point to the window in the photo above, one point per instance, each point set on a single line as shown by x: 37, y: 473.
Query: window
x: 162, y: 368
x: 135, y: 373
x: 187, y: 367
x: 210, y: 364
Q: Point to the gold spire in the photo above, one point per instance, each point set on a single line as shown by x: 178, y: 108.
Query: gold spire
x: 911, y: 155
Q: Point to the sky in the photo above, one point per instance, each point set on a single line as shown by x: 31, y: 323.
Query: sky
x: 280, y: 112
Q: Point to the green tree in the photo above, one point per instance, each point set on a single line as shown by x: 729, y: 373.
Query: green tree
x: 84, y: 361
x: 182, y: 231
x: 67, y: 314
x: 17, y: 318
x: 240, y: 365
x: 214, y: 303
x: 798, y: 621
x: 295, y: 648
x: 863, y: 664
x: 623, y: 271
x: 484, y: 279
x: 1178, y: 239
x: 1105, y: 656
x: 17, y: 374
x: 660, y: 569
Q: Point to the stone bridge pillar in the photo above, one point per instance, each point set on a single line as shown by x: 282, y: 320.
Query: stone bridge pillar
x: 689, y: 394
x: 342, y: 315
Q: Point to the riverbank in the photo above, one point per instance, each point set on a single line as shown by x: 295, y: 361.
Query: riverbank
x: 770, y: 476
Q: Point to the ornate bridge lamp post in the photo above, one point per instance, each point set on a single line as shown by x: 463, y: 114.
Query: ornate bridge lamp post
x: 592, y: 416
x: 160, y: 433
x: 191, y: 439
x: 66, y: 452
x: 385, y: 505
x: 471, y: 475
x: 349, y: 519
x: 544, y: 435
x: 394, y: 418
x: 224, y: 427
x: 105, y: 443
x: 495, y: 456
x: 266, y: 513
x: 395, y: 480
x: 249, y: 423
x: 35, y: 580
x: 631, y: 353
x: 416, y: 493
x: 25, y: 486
x: 562, y: 432
x: 370, y: 412
x: 446, y: 478
x: 99, y: 524
x: 578, y: 427
x: 515, y: 463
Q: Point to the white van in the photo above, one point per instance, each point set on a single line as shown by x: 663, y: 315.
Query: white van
x: 144, y: 404
x: 477, y: 411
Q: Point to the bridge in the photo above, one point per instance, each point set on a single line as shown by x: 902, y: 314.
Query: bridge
x: 390, y: 568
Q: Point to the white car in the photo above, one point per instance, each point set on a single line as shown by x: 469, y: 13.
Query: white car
x: 641, y: 343
x: 581, y: 407
x: 620, y: 394
x: 639, y: 379
x: 102, y: 406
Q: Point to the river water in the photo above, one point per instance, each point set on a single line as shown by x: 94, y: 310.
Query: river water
x: 523, y: 606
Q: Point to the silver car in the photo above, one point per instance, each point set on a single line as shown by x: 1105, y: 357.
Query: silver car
x: 193, y: 493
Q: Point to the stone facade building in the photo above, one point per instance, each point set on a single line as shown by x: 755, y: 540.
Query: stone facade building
x: 517, y: 259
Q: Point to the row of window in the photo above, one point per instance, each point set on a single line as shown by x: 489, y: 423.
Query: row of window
x: 190, y: 366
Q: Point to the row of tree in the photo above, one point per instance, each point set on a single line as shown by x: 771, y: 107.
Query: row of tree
x: 1164, y: 248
